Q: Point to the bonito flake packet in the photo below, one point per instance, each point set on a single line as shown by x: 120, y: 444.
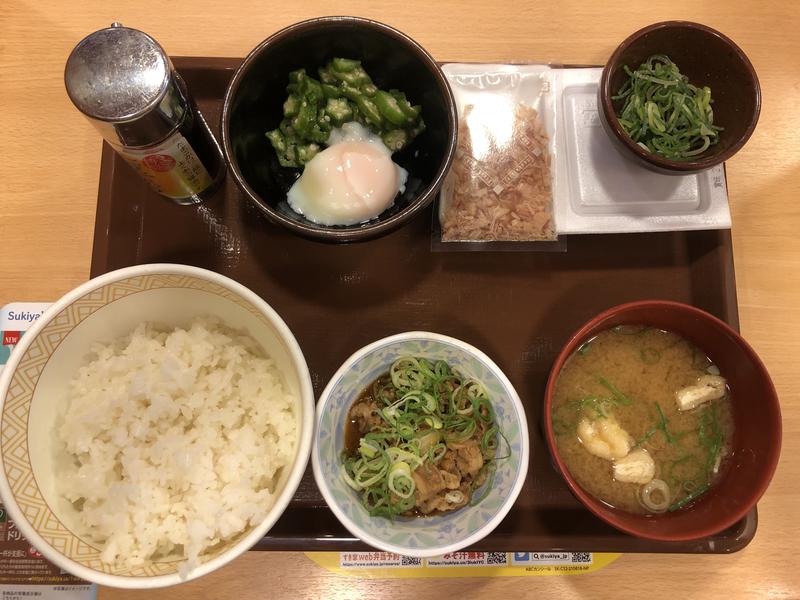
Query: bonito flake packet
x: 500, y: 187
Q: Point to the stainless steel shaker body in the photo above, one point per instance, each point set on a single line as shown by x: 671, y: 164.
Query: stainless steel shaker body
x: 122, y: 80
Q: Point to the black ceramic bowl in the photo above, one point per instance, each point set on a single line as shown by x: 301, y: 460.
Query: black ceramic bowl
x: 706, y: 57
x: 255, y: 96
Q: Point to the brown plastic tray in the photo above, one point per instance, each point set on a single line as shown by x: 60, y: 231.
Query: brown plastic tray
x: 518, y: 307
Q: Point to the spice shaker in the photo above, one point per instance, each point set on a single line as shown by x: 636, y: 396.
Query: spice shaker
x: 125, y: 84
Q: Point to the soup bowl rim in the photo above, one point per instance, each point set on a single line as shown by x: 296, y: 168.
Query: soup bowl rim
x: 621, y: 519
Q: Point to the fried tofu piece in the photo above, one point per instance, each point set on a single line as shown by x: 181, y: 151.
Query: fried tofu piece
x: 637, y: 467
x: 604, y: 438
x: 707, y: 388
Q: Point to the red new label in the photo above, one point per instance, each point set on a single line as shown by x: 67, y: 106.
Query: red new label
x: 159, y: 162
x: 10, y: 338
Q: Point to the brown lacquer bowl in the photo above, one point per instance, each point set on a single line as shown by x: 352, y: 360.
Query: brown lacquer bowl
x: 706, y: 57
x: 756, y: 412
x: 254, y: 100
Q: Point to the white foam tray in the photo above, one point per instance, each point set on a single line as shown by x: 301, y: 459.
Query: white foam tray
x: 597, y: 190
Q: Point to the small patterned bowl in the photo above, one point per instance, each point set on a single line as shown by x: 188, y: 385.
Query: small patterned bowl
x: 428, y: 536
x: 33, y: 388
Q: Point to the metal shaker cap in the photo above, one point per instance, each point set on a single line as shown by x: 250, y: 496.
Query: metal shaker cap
x: 123, y: 81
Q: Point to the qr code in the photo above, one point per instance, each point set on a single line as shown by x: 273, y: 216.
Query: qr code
x: 496, y: 558
x: 581, y: 557
x: 410, y: 561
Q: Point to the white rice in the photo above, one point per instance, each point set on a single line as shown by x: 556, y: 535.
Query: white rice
x: 178, y: 439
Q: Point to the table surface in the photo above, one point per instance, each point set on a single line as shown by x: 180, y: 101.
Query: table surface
x: 48, y: 197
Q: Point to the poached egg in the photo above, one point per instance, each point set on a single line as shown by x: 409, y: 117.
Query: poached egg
x: 352, y: 181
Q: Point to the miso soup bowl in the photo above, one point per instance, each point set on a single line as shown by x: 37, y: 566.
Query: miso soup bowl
x: 756, y: 412
x: 431, y: 535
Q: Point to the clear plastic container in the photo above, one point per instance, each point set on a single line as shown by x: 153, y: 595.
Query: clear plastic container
x: 598, y: 190
x: 500, y: 187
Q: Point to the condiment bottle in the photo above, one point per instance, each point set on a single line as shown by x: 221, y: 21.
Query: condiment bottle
x: 125, y: 84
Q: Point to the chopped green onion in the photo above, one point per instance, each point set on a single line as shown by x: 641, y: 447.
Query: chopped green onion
x: 489, y: 440
x: 367, y: 448
x: 459, y: 429
x: 400, y: 481
x: 425, y: 406
x: 433, y: 422
x: 482, y: 409
x: 646, y: 496
x: 437, y: 452
x: 649, y: 356
x: 662, y: 424
x: 690, y: 497
x: 407, y: 374
x: 560, y: 428
x: 478, y: 496
x: 618, y: 396
x: 397, y: 455
x: 597, y: 404
x: 664, y: 113
x: 428, y: 439
x: 349, y: 480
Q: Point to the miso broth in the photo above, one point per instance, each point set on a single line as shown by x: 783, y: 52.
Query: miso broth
x: 624, y: 383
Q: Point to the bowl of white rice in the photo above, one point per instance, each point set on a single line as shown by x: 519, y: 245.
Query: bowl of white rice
x: 154, y: 424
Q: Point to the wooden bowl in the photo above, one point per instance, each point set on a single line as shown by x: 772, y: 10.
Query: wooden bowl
x: 756, y: 413
x: 706, y: 57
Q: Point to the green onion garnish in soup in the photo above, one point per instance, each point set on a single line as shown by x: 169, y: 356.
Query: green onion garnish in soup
x: 643, y: 421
